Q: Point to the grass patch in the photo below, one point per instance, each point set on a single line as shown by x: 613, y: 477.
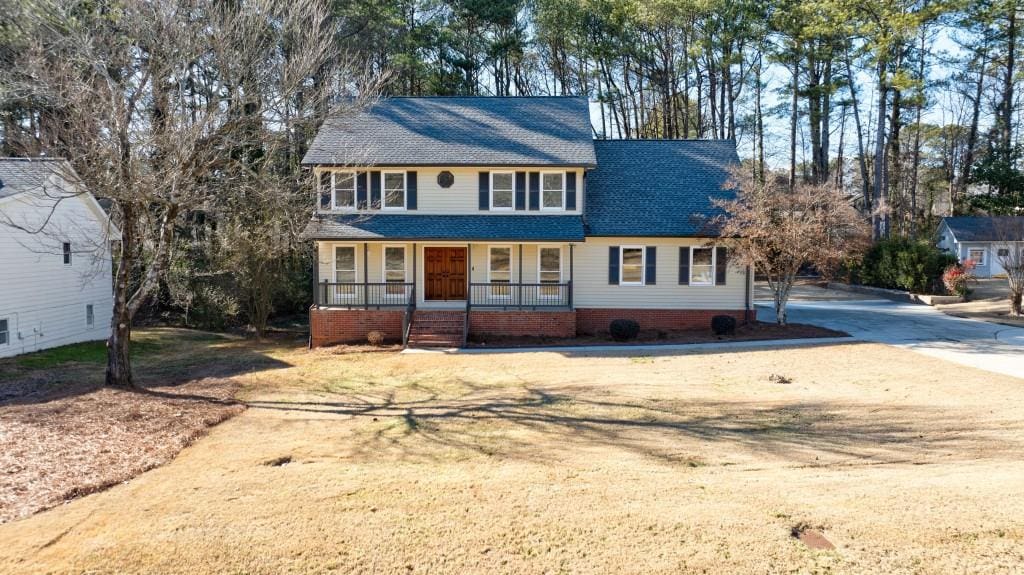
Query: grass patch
x: 85, y: 352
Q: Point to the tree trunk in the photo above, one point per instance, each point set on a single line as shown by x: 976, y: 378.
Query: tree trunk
x: 862, y: 159
x: 119, y: 367
x: 879, y: 217
x: 792, y: 124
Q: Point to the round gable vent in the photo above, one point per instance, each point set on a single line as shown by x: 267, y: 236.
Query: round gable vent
x: 445, y: 179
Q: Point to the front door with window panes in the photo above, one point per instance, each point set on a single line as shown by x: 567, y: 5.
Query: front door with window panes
x: 499, y: 271
x: 394, y: 270
x: 550, y: 272
x: 345, y: 272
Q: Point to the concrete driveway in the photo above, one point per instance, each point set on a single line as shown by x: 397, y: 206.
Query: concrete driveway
x: 920, y: 328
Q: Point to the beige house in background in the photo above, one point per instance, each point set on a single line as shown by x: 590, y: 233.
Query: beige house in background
x: 439, y: 219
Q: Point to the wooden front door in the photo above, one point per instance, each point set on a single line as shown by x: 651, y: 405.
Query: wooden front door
x: 444, y: 274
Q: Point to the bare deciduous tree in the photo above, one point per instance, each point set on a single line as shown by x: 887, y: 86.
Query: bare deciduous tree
x: 1010, y: 255
x: 777, y: 230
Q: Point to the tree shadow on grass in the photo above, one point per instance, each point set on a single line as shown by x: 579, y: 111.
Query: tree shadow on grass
x: 534, y: 423
x: 169, y: 358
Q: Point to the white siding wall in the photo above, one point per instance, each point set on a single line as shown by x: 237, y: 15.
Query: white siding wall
x: 43, y: 299
x: 463, y: 196
x: 593, y: 290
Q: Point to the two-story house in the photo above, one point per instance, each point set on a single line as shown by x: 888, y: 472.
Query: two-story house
x: 440, y: 218
x: 56, y: 287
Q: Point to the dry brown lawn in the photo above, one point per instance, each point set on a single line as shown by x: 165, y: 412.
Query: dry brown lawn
x: 556, y: 463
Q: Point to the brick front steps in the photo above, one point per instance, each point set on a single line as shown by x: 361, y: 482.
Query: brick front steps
x: 437, y: 329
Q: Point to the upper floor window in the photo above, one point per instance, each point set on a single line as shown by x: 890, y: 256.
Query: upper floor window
x: 394, y: 190
x: 503, y: 186
x: 67, y: 253
x: 344, y: 186
x: 552, y: 195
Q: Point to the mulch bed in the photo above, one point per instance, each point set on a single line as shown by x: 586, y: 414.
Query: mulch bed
x: 750, y: 332
x: 66, y: 441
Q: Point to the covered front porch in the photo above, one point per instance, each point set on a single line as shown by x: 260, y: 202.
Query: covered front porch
x: 444, y: 275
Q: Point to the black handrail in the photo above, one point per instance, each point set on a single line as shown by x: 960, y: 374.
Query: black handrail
x: 499, y: 295
x: 365, y: 295
x: 407, y: 317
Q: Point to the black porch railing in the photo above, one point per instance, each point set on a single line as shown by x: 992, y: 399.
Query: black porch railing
x: 365, y: 295
x: 497, y: 295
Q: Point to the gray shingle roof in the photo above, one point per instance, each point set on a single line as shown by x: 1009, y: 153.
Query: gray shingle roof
x: 986, y: 228
x: 657, y: 187
x: 435, y: 227
x: 479, y: 131
x: 25, y: 174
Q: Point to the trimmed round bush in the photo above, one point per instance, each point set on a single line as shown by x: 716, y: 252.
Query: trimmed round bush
x: 723, y: 325
x: 624, y: 329
x: 375, y: 338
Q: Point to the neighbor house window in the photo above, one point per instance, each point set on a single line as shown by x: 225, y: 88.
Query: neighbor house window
x: 345, y: 270
x: 499, y: 270
x: 344, y: 185
x: 67, y: 253
x: 632, y: 258
x: 503, y: 185
x: 1003, y: 252
x: 5, y: 334
x: 394, y: 190
x: 90, y: 317
x: 552, y: 195
x: 702, y: 266
x: 550, y: 271
x: 394, y: 269
x: 977, y: 255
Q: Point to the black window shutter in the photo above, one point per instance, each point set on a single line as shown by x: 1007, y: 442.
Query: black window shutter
x: 534, y: 190
x: 651, y: 271
x: 520, y: 190
x: 684, y: 266
x: 613, y: 265
x: 485, y: 190
x: 374, y: 190
x: 325, y: 191
x: 361, y: 190
x: 410, y: 190
x: 570, y: 191
x: 721, y: 265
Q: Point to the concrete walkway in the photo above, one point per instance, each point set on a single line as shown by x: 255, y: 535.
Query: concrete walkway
x: 920, y: 328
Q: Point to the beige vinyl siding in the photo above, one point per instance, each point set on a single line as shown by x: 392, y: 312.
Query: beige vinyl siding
x: 463, y: 196
x: 593, y: 290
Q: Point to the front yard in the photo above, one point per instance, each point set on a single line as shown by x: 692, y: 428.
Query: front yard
x: 568, y: 463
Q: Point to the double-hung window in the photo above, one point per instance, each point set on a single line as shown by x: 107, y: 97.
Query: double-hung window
x: 632, y: 258
x: 702, y: 266
x: 503, y: 190
x: 345, y: 271
x: 977, y: 255
x: 552, y: 195
x: 550, y: 272
x: 66, y: 249
x: 5, y: 334
x: 344, y: 186
x: 394, y: 191
x: 499, y: 270
x: 394, y: 270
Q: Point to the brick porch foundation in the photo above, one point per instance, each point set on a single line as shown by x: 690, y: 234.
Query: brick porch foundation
x: 334, y: 326
x: 596, y: 320
x: 518, y: 323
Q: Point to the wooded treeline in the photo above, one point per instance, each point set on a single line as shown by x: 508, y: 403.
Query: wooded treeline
x: 192, y: 115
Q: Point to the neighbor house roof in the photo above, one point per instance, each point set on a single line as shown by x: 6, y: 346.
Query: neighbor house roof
x: 658, y: 187
x: 986, y: 228
x: 451, y: 131
x: 18, y: 175
x: 445, y: 227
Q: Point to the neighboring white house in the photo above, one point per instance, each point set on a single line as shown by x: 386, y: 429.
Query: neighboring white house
x: 983, y: 239
x: 56, y: 285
